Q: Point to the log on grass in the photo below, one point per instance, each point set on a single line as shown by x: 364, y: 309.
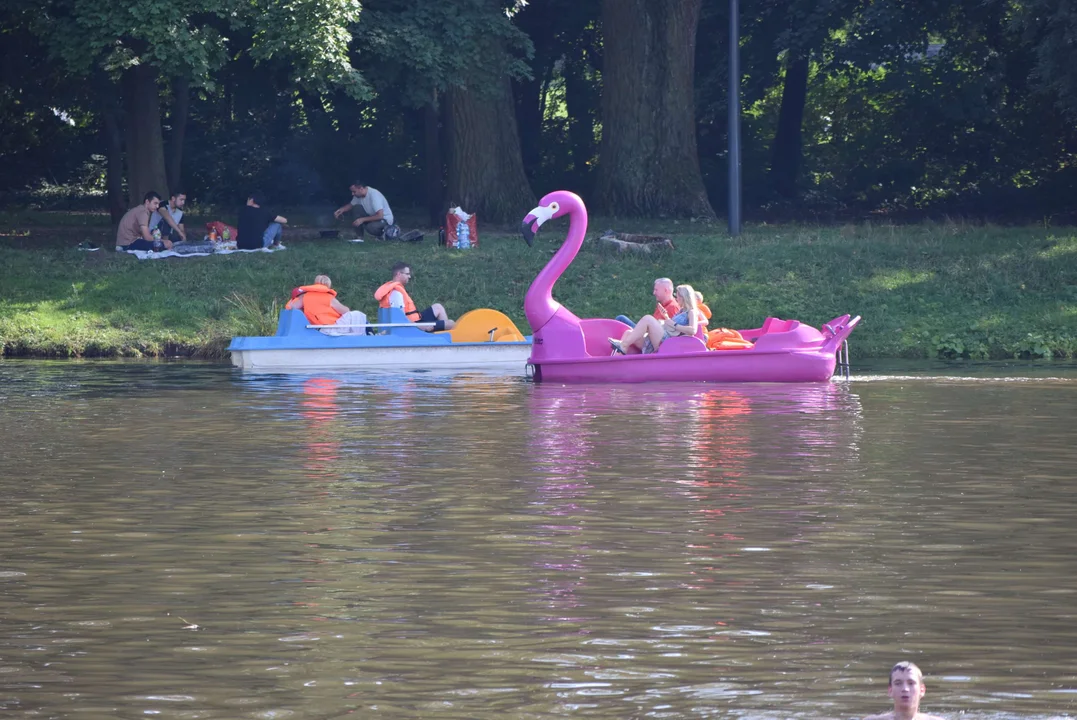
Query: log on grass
x: 637, y: 243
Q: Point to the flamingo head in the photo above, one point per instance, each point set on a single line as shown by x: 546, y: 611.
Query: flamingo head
x: 548, y: 209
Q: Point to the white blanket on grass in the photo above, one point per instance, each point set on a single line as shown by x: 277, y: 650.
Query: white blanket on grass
x: 151, y: 255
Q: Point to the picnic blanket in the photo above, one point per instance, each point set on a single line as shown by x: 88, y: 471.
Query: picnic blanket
x: 199, y: 250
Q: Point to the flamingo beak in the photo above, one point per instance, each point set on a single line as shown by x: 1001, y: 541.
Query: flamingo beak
x: 534, y: 220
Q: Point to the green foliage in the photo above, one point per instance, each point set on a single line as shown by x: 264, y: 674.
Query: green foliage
x: 420, y: 48
x: 956, y: 107
x: 192, y: 38
x: 1049, y: 28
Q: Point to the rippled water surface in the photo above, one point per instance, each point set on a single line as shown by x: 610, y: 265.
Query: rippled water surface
x: 184, y: 541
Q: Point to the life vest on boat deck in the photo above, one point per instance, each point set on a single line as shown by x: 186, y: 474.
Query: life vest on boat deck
x: 317, y: 304
x: 726, y: 339
x: 382, y: 296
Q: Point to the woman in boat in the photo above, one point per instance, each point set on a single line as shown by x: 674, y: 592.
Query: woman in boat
x: 319, y: 303
x: 650, y: 332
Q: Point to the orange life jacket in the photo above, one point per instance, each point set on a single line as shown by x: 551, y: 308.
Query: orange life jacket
x: 671, y: 308
x: 317, y: 304
x: 704, y: 309
x: 726, y: 339
x: 382, y: 296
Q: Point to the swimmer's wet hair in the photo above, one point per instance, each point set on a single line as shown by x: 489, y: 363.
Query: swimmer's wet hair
x: 904, y: 666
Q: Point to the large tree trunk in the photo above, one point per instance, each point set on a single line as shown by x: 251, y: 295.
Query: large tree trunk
x: 325, y: 148
x: 434, y: 167
x: 181, y: 103
x: 107, y: 94
x: 486, y: 170
x: 787, y: 149
x: 648, y: 160
x: 529, y: 121
x: 145, y: 143
x: 112, y: 131
x: 579, y: 103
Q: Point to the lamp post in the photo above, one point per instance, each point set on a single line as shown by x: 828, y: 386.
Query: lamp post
x: 734, y: 119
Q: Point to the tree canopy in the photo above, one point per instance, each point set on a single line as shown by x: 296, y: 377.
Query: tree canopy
x: 850, y: 106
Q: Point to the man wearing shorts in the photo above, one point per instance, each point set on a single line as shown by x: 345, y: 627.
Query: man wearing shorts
x: 393, y: 294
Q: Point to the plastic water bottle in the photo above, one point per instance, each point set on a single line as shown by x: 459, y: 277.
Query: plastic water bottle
x: 226, y: 234
x: 463, y: 236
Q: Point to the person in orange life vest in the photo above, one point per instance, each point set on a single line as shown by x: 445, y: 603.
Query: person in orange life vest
x: 319, y: 303
x: 704, y: 310
x: 666, y: 306
x: 393, y: 294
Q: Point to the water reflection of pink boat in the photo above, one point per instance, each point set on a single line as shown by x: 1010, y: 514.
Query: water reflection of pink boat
x: 570, y: 349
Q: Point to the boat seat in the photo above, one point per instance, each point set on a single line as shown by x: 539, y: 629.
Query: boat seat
x: 294, y: 323
x: 396, y: 315
x: 596, y: 332
x: 679, y: 344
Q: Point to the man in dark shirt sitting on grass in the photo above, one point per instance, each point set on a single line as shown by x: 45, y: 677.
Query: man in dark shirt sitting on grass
x: 258, y: 227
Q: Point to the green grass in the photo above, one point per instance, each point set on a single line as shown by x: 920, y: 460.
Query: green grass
x: 929, y: 290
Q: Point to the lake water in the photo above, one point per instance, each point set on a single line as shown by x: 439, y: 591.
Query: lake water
x: 185, y: 541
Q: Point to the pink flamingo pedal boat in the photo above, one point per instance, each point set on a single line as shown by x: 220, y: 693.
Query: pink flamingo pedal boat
x: 570, y: 349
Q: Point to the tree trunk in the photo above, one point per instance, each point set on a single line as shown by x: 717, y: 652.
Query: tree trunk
x: 579, y: 102
x: 435, y: 168
x: 648, y: 159
x: 181, y: 91
x: 529, y: 121
x: 788, y: 149
x: 486, y: 169
x: 325, y: 148
x: 145, y: 143
x: 107, y: 94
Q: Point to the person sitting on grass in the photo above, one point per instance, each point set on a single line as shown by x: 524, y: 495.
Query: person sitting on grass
x: 133, y: 232
x: 258, y: 227
x: 647, y: 336
x: 393, y: 294
x: 319, y: 303
x: 169, y: 218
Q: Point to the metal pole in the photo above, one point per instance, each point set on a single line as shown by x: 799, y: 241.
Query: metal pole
x: 734, y: 119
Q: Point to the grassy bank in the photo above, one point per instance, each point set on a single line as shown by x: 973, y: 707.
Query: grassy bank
x: 929, y: 290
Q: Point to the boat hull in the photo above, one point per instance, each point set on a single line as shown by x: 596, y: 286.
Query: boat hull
x: 708, y: 366
x: 508, y: 356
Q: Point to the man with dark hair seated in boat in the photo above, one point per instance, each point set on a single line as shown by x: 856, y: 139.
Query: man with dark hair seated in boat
x: 650, y: 333
x: 906, y: 687
x: 393, y: 294
x: 319, y: 303
x: 666, y: 306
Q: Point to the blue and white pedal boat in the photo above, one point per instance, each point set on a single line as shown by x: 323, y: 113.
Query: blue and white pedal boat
x: 482, y: 339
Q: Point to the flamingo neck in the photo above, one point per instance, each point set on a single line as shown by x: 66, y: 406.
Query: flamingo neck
x: 539, y: 305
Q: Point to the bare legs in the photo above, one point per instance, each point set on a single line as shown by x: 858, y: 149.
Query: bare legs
x: 648, y: 326
x: 440, y: 314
